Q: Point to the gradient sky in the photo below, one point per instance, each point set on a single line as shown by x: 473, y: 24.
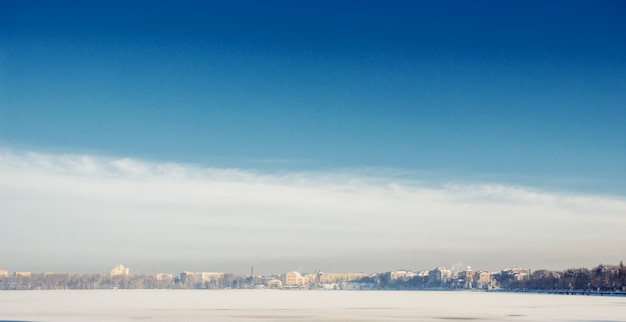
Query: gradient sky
x: 416, y: 113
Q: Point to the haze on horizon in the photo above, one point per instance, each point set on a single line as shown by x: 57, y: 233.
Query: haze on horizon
x: 352, y: 136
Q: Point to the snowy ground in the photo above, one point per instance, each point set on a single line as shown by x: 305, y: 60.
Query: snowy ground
x: 276, y: 305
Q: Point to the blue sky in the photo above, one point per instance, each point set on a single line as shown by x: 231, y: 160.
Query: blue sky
x: 534, y: 89
x: 521, y: 93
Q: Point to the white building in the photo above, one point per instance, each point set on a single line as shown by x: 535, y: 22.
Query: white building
x: 274, y: 283
x: 120, y: 270
x: 164, y: 277
x: 402, y: 275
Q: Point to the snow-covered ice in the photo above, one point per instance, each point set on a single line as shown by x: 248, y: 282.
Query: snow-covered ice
x: 280, y: 305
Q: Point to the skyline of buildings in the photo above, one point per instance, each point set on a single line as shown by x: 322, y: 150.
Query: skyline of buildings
x: 602, y: 278
x: 122, y: 270
x: 438, y: 276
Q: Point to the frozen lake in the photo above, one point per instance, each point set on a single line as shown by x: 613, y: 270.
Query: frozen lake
x: 277, y: 305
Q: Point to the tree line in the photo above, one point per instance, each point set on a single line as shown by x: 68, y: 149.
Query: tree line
x: 602, y: 278
x: 50, y: 281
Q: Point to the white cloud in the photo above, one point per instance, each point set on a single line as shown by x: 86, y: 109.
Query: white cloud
x: 80, y: 210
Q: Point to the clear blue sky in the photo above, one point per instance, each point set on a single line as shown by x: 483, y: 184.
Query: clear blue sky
x: 523, y: 90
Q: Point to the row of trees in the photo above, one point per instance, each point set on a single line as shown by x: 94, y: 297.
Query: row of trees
x: 384, y: 281
x: 598, y: 279
x: 80, y: 282
x: 105, y: 281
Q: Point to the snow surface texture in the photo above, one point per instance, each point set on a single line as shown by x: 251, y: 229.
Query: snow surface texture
x: 275, y: 305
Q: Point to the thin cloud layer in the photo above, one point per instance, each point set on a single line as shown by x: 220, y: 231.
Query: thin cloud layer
x: 86, y: 213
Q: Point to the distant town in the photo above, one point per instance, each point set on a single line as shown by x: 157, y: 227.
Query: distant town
x: 602, y: 279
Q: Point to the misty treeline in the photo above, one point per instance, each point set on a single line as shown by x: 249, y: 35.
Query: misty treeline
x: 598, y: 279
x: 105, y: 281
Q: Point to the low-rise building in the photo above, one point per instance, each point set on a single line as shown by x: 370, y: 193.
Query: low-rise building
x: 4, y: 273
x: 211, y: 276
x: 164, y: 277
x: 484, y: 279
x: 401, y: 275
x: 197, y: 277
x: 295, y: 279
x: 519, y: 274
x: 22, y: 274
x: 274, y: 283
